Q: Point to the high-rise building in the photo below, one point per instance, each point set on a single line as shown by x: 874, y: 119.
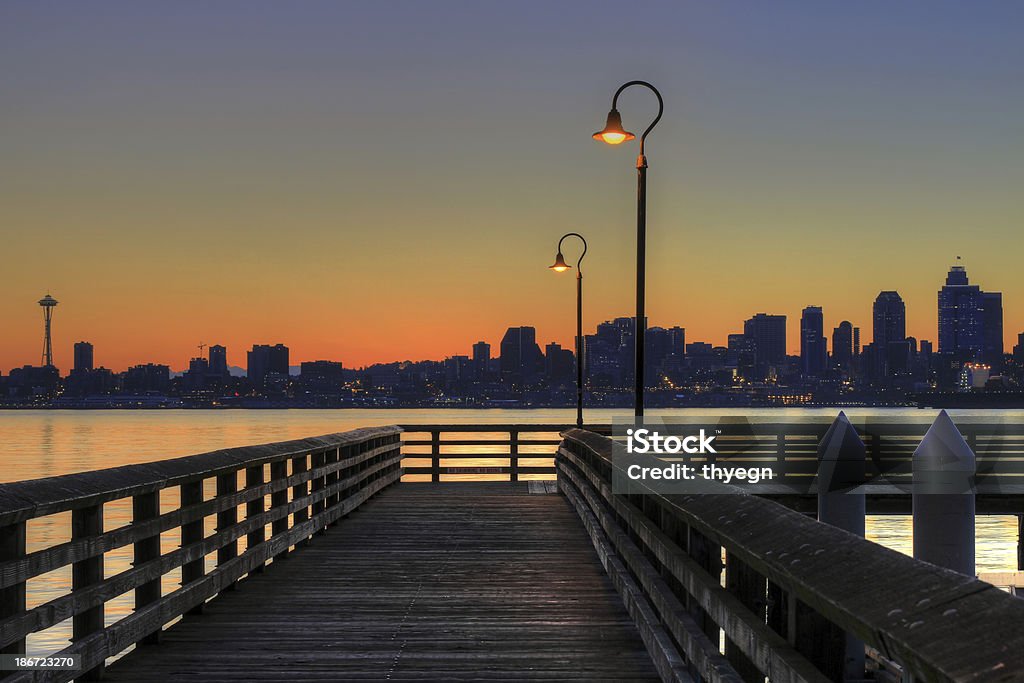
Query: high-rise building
x: 842, y: 346
x: 813, y: 351
x: 609, y: 353
x: 889, y: 315
x: 769, y: 335
x: 218, y: 360
x: 83, y: 357
x: 992, y: 328
x: 559, y: 364
x: 481, y: 359
x: 324, y: 377
x: 970, y: 320
x: 856, y: 342
x: 521, y: 357
x: 1018, y: 350
x: 265, y: 360
x: 151, y: 377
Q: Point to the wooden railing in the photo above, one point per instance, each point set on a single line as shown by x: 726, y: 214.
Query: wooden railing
x: 432, y: 450
x: 310, y: 484
x: 796, y: 591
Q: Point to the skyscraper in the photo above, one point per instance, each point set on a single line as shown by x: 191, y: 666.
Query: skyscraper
x: 265, y: 360
x: 769, y: 335
x: 842, y: 346
x: 812, y: 342
x: 218, y: 360
x: 83, y: 357
x: 992, y: 328
x: 481, y: 359
x: 889, y: 315
x: 963, y: 312
x: 521, y: 359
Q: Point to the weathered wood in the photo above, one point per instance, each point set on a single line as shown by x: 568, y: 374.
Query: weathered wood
x: 279, y: 500
x: 66, y: 606
x: 95, y: 648
x: 513, y: 455
x: 254, y: 507
x: 318, y: 483
x: 707, y: 598
x: 750, y: 588
x: 12, y: 598
x: 144, y: 507
x: 227, y: 484
x: 39, y: 497
x: 428, y: 582
x: 87, y: 522
x: 854, y: 584
x: 435, y: 456
x: 300, y: 465
x: 192, y: 533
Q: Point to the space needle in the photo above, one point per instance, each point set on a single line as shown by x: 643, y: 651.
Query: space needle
x: 48, y: 303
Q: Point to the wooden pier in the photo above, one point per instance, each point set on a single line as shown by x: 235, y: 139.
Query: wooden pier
x: 326, y: 565
x: 431, y: 582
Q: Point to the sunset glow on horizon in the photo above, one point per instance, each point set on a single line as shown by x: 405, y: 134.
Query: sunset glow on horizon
x: 355, y: 182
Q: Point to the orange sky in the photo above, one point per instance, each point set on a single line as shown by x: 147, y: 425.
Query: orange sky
x: 386, y: 186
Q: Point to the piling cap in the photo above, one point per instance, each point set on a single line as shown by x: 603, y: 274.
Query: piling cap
x: 943, y: 449
x: 841, y: 457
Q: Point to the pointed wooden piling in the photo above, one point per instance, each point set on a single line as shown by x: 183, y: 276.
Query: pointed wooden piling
x: 842, y: 463
x: 943, y: 498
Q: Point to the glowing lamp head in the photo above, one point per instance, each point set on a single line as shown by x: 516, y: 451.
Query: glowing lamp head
x: 560, y: 266
x: 613, y: 132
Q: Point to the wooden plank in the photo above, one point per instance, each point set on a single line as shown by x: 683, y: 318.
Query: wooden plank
x: 12, y: 598
x: 428, y: 582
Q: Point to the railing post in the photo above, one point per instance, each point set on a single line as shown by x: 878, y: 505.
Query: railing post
x: 12, y: 598
x: 299, y: 491
x: 146, y: 506
x: 513, y: 455
x: 435, y: 456
x: 332, y: 478
x: 227, y: 484
x: 278, y: 501
x: 254, y: 508
x: 319, y: 482
x: 86, y: 522
x: 750, y: 588
x: 192, y: 532
x: 943, y: 498
x: 1020, y: 542
x: 709, y: 556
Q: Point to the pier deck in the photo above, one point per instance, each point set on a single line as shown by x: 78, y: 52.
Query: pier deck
x: 480, y: 581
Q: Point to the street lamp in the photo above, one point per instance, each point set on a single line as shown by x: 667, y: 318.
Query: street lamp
x: 560, y: 266
x: 614, y: 134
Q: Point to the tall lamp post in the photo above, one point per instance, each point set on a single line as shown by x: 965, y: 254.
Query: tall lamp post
x: 560, y: 266
x: 615, y: 134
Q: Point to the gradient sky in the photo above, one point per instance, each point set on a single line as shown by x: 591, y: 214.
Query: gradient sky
x: 383, y: 181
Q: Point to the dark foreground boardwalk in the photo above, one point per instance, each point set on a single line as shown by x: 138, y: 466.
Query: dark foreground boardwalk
x: 424, y: 582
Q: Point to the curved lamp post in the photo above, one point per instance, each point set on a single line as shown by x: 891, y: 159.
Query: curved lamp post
x: 615, y: 134
x: 560, y: 266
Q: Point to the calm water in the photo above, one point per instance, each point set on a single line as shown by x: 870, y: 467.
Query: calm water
x: 48, y: 443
